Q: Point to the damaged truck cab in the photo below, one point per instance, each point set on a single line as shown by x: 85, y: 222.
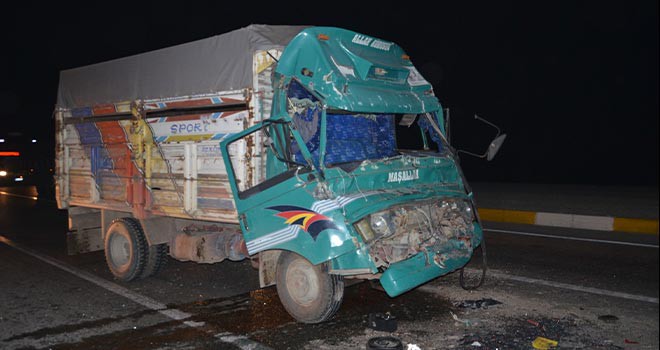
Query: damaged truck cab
x: 318, y: 153
x: 359, y: 180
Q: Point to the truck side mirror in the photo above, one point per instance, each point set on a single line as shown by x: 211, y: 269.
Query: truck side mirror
x: 494, y: 146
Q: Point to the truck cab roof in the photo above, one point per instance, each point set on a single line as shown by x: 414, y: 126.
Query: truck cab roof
x: 356, y: 72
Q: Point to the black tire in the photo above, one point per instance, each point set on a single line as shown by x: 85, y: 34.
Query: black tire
x: 384, y: 343
x: 155, y: 261
x: 126, y: 249
x: 307, y: 291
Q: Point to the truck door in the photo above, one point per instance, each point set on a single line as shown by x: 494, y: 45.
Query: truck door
x: 261, y: 173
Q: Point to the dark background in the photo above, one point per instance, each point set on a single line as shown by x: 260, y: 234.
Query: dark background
x: 574, y: 84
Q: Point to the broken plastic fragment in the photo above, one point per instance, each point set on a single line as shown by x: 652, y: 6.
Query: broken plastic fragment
x: 382, y: 322
x: 465, y: 322
x: 476, y: 343
x: 536, y: 324
x: 544, y: 343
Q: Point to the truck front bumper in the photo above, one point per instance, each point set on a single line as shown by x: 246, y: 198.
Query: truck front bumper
x: 405, y: 275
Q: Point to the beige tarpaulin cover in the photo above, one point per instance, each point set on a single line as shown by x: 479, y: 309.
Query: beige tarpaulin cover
x: 219, y: 63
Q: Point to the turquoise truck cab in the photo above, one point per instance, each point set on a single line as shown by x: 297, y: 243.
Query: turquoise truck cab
x: 360, y: 180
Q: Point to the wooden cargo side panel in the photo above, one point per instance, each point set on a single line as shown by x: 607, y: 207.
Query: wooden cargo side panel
x: 214, y: 196
x: 166, y: 181
x: 98, y: 163
x: 81, y: 182
x: 77, y: 164
x: 168, y: 166
x: 187, y: 176
x: 114, y: 165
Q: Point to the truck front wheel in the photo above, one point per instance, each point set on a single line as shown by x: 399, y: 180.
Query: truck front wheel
x: 308, y: 292
x: 126, y: 249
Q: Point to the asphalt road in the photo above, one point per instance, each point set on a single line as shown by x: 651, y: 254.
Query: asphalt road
x: 584, y: 289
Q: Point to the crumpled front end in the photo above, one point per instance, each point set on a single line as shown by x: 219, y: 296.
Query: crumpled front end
x: 417, y: 242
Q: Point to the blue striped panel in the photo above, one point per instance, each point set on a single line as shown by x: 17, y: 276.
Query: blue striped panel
x: 82, y: 112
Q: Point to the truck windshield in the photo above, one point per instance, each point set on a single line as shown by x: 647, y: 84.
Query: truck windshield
x: 353, y: 137
x: 358, y: 137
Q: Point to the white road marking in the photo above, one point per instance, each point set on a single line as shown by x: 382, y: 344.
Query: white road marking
x: 573, y: 238
x: 143, y: 300
x: 18, y: 195
x: 560, y: 285
x: 237, y: 340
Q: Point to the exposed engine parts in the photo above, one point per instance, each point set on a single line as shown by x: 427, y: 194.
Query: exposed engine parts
x: 404, y: 231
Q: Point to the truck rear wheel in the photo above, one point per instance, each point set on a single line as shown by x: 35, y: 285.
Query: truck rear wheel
x: 126, y: 249
x: 155, y: 261
x: 307, y: 291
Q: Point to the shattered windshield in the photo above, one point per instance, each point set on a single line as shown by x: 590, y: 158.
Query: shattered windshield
x: 358, y: 137
x: 353, y: 137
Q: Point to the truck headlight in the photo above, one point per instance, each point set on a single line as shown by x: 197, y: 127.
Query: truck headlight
x: 3, y: 173
x: 381, y: 223
x: 462, y: 207
x: 364, y: 228
x: 465, y: 208
x: 375, y: 225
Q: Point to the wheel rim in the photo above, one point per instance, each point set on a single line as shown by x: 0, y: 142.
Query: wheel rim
x: 120, y: 251
x: 302, y: 282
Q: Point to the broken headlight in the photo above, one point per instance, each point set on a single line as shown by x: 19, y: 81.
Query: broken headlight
x: 382, y: 223
x: 364, y: 228
x: 460, y: 207
x: 376, y: 225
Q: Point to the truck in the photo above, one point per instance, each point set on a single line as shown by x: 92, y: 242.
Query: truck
x: 318, y: 153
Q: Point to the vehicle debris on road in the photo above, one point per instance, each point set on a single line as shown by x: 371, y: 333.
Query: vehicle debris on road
x: 382, y: 322
x: 483, y: 303
x: 536, y: 324
x: 544, y: 343
x: 384, y: 343
x: 465, y: 322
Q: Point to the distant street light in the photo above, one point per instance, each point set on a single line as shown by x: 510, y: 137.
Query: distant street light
x: 34, y: 140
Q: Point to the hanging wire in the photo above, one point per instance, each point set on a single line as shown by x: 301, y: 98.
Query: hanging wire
x: 484, y: 267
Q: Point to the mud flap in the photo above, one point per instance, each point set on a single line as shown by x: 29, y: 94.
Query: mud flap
x: 84, y: 234
x: 84, y: 241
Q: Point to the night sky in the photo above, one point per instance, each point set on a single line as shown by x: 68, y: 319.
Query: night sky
x: 573, y: 84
